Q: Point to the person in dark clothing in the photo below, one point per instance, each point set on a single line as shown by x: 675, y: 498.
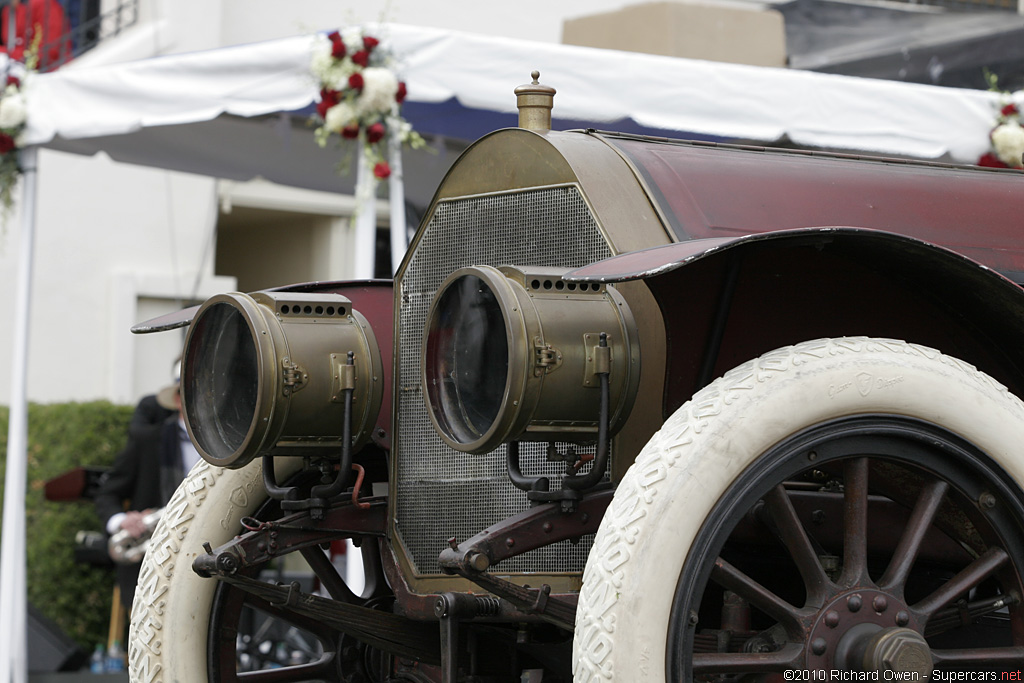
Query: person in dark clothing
x: 143, y: 478
x: 153, y: 409
x: 149, y: 412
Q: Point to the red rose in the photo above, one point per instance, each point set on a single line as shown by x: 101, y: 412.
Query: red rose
x: 400, y: 95
x: 381, y: 170
x: 362, y: 58
x: 355, y: 81
x: 7, y: 145
x: 337, y: 45
x: 351, y: 131
x: 328, y: 98
x: 369, y: 42
x: 14, y: 80
x: 991, y: 160
x: 375, y: 132
x: 1009, y: 110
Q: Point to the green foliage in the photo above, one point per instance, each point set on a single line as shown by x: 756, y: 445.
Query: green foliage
x: 60, y: 437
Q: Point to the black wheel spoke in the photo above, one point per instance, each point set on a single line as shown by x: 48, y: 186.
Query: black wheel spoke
x: 798, y: 543
x: 966, y: 579
x: 920, y: 522
x: 728, y: 576
x: 747, y: 662
x: 855, y: 523
x: 328, y: 575
x: 989, y: 656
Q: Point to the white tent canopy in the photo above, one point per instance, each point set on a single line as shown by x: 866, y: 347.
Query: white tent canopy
x: 241, y: 113
x: 461, y: 84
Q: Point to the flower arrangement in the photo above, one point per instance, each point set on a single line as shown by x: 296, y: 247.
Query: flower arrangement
x: 1007, y: 137
x: 360, y: 95
x: 13, y: 114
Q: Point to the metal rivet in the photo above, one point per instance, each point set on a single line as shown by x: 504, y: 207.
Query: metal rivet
x: 854, y: 603
x: 818, y: 646
x: 880, y: 603
x: 902, y: 618
x: 832, y: 619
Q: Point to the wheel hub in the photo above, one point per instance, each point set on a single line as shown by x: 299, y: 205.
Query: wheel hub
x: 867, y: 630
x: 898, y: 649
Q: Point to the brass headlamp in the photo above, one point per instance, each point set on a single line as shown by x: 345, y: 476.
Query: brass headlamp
x: 513, y: 354
x: 267, y: 373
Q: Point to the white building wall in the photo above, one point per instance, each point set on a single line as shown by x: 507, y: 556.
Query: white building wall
x: 117, y: 244
x: 106, y: 235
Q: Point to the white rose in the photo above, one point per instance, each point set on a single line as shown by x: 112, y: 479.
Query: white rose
x: 337, y: 78
x: 353, y: 39
x: 339, y: 116
x: 321, y: 61
x: 379, y: 89
x: 12, y: 111
x: 330, y: 72
x: 1008, y: 140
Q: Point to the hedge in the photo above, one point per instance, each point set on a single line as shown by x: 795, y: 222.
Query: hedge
x: 60, y: 437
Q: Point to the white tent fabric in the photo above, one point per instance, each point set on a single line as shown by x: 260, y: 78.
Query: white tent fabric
x: 84, y: 110
x: 709, y: 98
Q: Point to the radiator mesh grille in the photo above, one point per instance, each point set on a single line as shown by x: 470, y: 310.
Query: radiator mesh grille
x: 443, y: 493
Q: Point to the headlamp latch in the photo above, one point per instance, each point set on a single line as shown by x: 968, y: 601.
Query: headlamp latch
x: 546, y: 357
x: 293, y: 377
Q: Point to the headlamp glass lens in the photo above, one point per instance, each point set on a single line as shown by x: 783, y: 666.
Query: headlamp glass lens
x: 467, y: 359
x: 221, y: 380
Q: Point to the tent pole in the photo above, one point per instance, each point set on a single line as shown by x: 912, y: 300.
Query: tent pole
x: 13, y: 592
x: 365, y: 248
x: 396, y: 199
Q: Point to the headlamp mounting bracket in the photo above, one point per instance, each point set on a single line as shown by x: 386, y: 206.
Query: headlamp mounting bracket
x: 573, y: 484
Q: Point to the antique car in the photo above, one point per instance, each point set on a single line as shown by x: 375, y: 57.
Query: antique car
x: 633, y: 409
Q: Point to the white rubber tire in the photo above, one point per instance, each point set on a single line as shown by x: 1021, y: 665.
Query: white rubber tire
x: 171, y: 613
x: 643, y: 542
